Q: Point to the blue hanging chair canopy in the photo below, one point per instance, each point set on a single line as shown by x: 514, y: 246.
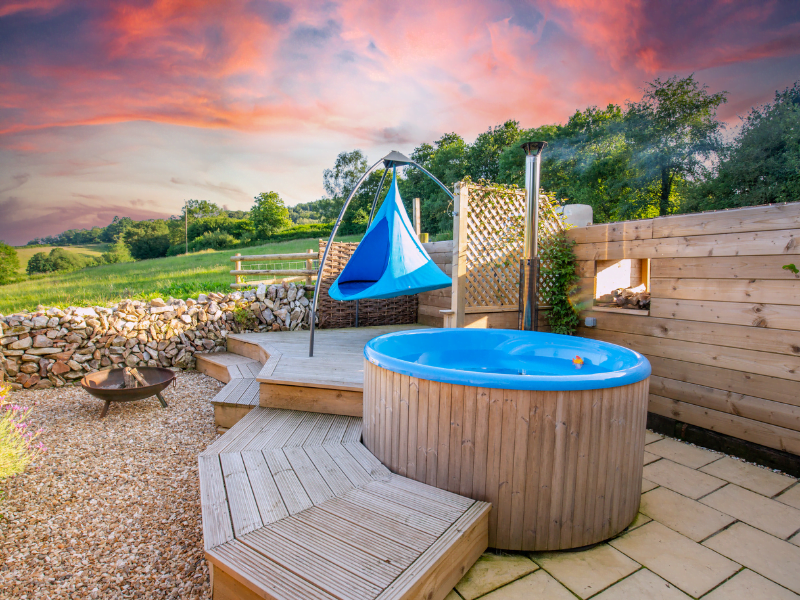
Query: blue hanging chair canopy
x: 389, y: 261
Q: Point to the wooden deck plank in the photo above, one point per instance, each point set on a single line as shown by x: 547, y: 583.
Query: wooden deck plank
x: 303, y: 430
x: 311, y: 479
x: 336, y: 432
x: 439, y: 567
x: 320, y: 430
x: 217, y: 526
x: 383, y: 547
x: 244, y: 510
x: 423, y: 505
x: 348, y: 557
x: 268, y: 497
x: 270, y: 579
x: 398, y: 512
x: 292, y: 491
x: 329, y: 470
x: 352, y: 469
x: 367, y: 460
x: 379, y: 524
x: 312, y: 567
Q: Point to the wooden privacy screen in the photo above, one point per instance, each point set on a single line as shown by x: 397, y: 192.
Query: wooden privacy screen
x: 334, y: 314
x: 723, y: 331
x: 489, y: 228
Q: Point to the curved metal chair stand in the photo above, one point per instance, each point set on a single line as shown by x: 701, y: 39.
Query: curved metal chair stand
x: 394, y: 159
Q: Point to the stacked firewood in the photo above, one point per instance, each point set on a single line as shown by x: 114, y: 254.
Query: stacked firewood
x: 634, y: 298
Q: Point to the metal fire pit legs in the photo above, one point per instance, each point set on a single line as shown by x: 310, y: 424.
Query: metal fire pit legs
x: 108, y: 403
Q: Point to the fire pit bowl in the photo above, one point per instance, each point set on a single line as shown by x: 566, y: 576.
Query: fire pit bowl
x: 108, y: 385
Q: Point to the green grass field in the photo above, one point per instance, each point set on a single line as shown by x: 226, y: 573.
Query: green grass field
x: 25, y: 252
x: 178, y: 276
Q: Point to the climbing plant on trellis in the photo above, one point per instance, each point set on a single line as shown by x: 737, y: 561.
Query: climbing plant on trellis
x: 494, y: 242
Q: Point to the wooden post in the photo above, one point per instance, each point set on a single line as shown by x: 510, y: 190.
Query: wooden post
x: 459, y: 301
x: 310, y: 266
x: 238, y: 268
x: 417, y: 217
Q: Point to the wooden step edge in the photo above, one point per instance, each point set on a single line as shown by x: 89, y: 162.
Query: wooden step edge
x: 211, y: 368
x: 437, y: 570
x: 250, y: 349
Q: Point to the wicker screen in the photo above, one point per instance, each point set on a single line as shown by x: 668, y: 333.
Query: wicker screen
x: 495, y: 223
x: 333, y: 314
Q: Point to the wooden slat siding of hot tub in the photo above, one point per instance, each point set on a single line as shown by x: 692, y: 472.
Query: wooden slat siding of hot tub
x: 552, y: 485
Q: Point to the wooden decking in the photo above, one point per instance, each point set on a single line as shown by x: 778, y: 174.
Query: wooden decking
x: 330, y: 382
x: 240, y: 395
x: 295, y: 507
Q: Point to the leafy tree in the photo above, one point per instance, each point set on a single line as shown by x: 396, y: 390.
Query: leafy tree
x: 269, y: 214
x: 118, y: 253
x: 9, y: 263
x: 199, y: 209
x: 483, y: 155
x: 147, y: 239
x: 112, y: 233
x: 762, y: 165
x: 447, y: 160
x: 673, y: 130
x: 39, y: 263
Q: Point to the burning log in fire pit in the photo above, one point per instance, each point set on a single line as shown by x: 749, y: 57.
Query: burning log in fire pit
x: 635, y: 298
x: 127, y: 385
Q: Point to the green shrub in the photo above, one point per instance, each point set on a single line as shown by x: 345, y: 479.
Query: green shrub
x: 298, y: 232
x: 9, y: 263
x: 244, y: 318
x: 59, y: 260
x: 118, y: 253
x: 213, y: 240
x: 18, y: 445
x: 558, y: 264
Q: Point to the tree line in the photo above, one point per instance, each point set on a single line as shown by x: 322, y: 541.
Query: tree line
x: 666, y: 153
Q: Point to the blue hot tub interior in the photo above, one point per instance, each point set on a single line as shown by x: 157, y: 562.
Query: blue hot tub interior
x: 501, y: 358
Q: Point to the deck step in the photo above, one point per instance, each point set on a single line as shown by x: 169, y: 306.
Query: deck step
x: 295, y: 507
x: 241, y: 394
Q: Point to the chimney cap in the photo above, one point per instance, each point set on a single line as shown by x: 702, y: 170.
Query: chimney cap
x: 534, y: 148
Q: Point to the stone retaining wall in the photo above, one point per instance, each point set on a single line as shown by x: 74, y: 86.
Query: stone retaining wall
x: 51, y: 347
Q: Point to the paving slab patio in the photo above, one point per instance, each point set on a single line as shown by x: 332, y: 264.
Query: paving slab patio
x: 754, y: 509
x: 685, y: 564
x: 643, y: 585
x: 589, y: 571
x: 791, y: 496
x: 757, y: 479
x: 686, y: 516
x: 747, y: 585
x: 685, y: 454
x: 721, y: 529
x: 765, y: 554
x: 681, y: 479
x: 493, y: 571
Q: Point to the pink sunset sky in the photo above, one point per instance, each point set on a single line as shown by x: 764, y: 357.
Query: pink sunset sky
x: 129, y: 108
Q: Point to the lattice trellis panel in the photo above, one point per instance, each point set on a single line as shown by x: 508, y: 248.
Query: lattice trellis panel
x: 494, y: 243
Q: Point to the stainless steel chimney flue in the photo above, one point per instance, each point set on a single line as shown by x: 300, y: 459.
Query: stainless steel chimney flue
x: 529, y: 264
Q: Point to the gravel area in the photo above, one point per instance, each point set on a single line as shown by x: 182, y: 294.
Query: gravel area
x: 113, y: 508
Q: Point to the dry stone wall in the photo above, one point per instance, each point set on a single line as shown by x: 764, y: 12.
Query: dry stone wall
x: 52, y: 347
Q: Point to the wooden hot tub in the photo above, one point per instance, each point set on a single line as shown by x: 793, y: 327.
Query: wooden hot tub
x: 508, y: 417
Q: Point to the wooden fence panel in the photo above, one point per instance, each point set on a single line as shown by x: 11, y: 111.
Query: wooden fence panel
x: 722, y: 330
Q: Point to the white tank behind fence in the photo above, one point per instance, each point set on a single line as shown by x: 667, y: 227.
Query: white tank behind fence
x: 577, y: 215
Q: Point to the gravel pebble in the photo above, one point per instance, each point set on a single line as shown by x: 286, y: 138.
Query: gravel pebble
x: 112, y: 510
